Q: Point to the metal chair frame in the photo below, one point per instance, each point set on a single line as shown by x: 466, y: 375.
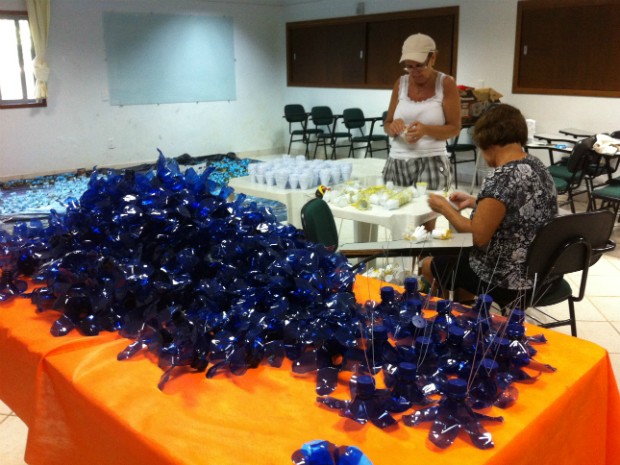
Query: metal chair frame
x: 354, y: 119
x: 325, y: 121
x: 455, y: 147
x: 566, y: 244
x: 296, y: 114
x: 569, y: 173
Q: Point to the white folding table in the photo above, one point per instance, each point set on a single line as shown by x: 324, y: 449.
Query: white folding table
x: 294, y: 199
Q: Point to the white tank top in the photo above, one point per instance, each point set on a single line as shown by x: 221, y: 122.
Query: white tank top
x: 429, y: 111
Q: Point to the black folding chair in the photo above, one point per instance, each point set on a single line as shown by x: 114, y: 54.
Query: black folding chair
x: 297, y: 117
x: 566, y: 244
x: 325, y: 121
x: 354, y: 120
x: 456, y: 146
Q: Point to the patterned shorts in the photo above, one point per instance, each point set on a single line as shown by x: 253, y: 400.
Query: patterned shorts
x: 435, y: 171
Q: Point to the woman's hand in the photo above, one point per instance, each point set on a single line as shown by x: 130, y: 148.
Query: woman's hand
x: 462, y: 200
x: 415, y: 131
x: 397, y: 127
x: 439, y: 204
x: 450, y: 211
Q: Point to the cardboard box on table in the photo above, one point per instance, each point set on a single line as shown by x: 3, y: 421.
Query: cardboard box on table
x: 475, y: 101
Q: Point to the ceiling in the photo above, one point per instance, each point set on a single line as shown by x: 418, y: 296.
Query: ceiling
x: 273, y: 2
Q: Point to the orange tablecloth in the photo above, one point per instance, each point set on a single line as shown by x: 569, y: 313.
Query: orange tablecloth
x: 84, y: 407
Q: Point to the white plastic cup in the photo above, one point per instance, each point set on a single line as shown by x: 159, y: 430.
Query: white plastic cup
x: 325, y: 176
x: 281, y: 180
x: 335, y: 173
x: 305, y: 181
x: 270, y: 178
x: 345, y: 173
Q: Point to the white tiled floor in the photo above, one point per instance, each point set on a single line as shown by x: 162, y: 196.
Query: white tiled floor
x: 598, y: 321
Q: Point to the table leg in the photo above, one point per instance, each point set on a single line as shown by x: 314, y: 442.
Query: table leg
x: 293, y: 212
x: 364, y: 232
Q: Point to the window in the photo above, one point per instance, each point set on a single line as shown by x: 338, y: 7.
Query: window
x: 17, y: 82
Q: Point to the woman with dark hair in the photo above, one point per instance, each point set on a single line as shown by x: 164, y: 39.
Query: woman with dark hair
x: 515, y: 199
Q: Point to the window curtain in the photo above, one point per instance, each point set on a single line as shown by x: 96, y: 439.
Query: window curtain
x: 39, y: 19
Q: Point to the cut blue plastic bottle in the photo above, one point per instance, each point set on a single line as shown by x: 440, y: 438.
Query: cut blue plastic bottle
x: 454, y: 358
x: 411, y: 290
x: 387, y: 309
x: 452, y: 416
x: 485, y: 390
x: 482, y: 310
x: 426, y: 355
x: 325, y: 453
x: 10, y: 286
x: 411, y: 322
x: 404, y: 389
x: 376, y: 351
x: 367, y: 403
x: 443, y: 320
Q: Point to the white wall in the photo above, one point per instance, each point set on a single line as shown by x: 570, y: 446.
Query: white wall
x: 79, y: 126
x: 487, y: 32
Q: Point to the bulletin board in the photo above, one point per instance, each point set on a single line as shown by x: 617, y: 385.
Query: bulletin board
x: 162, y: 58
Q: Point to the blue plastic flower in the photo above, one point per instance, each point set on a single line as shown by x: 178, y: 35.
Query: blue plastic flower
x: 326, y: 453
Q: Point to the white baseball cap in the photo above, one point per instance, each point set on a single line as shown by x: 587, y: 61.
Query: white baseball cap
x: 417, y: 47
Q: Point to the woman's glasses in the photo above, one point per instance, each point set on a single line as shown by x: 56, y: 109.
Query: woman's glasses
x: 417, y: 66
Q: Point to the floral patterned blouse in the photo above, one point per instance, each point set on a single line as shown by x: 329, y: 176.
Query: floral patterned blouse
x: 527, y: 190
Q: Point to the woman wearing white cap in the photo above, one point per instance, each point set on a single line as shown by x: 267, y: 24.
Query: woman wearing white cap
x: 424, y: 112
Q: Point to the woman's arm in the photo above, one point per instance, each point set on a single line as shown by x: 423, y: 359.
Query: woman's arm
x: 393, y: 127
x: 487, y: 218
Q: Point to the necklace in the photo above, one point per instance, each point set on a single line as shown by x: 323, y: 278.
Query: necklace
x: 422, y: 91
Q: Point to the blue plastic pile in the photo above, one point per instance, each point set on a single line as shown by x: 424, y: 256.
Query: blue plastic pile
x: 211, y: 282
x: 37, y: 196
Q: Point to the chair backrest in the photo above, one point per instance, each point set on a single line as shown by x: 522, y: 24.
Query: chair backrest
x: 353, y: 118
x: 581, y: 155
x: 295, y: 113
x: 570, y: 243
x: 322, y: 116
x: 318, y: 223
